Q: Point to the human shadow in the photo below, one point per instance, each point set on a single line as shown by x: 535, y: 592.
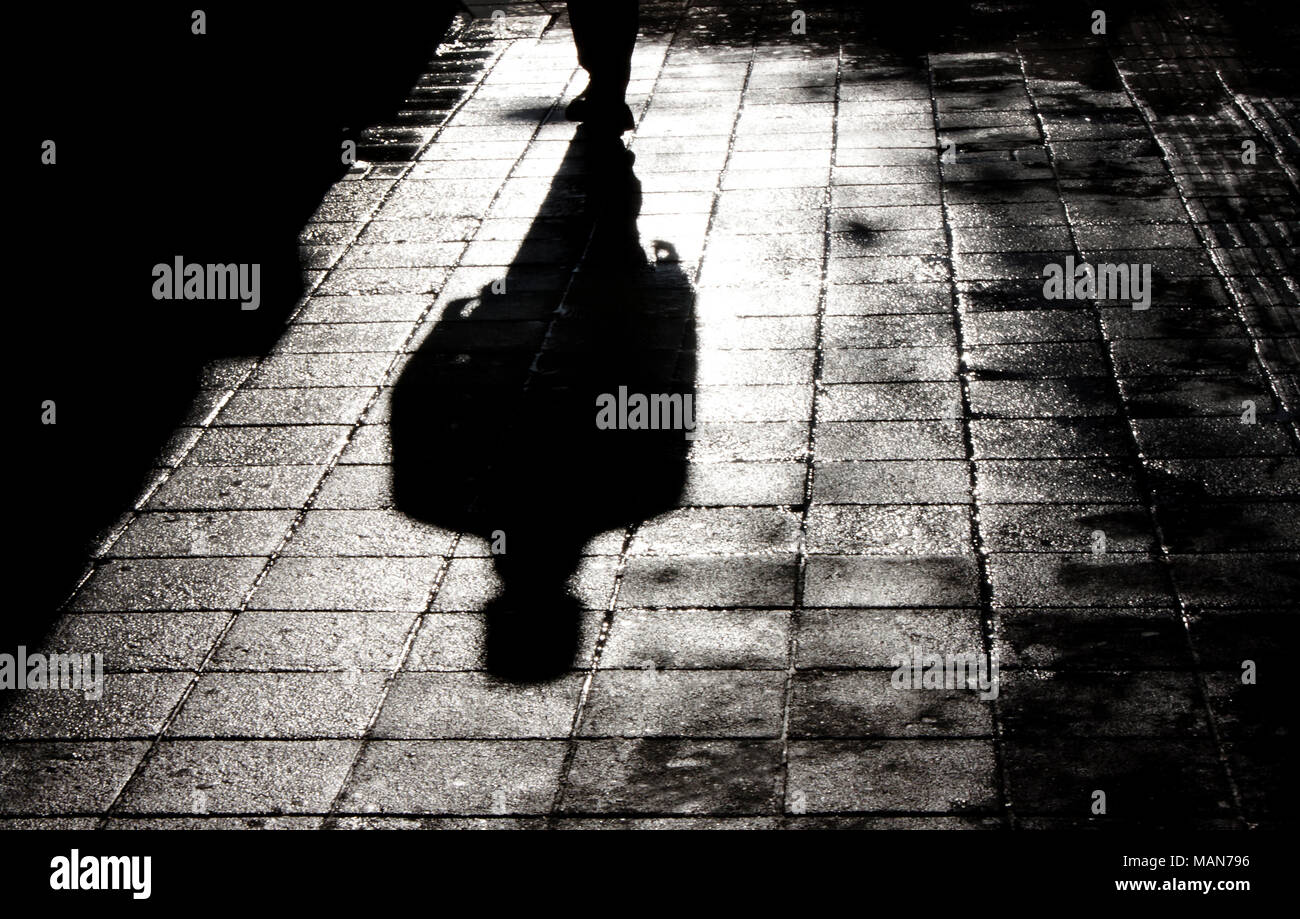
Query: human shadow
x: 496, y: 420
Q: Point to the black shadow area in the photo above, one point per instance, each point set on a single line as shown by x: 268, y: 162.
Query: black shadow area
x: 494, y: 419
x: 214, y: 147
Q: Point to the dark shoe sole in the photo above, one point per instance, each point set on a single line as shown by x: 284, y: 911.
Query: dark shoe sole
x: 615, y: 117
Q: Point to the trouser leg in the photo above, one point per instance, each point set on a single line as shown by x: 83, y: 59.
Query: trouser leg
x: 605, y: 34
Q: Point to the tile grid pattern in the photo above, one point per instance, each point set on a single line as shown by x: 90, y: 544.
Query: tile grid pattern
x: 900, y: 446
x: 385, y: 185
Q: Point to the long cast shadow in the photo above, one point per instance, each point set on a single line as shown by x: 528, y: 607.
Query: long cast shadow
x: 494, y: 419
x: 236, y: 147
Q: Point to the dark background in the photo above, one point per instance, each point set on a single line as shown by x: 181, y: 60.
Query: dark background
x: 216, y: 147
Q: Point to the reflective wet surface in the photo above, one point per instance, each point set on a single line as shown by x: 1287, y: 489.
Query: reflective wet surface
x: 834, y: 242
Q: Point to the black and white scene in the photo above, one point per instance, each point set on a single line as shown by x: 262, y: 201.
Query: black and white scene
x: 663, y: 415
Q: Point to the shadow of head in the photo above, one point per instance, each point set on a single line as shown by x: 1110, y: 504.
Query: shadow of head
x: 554, y: 405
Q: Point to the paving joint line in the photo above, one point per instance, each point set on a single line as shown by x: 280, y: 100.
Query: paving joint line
x: 555, y: 811
x: 988, y: 637
x: 1137, y: 458
x: 810, y: 453
x: 329, y: 466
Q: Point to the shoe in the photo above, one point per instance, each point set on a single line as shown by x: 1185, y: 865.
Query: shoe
x: 579, y: 109
x: 612, y: 115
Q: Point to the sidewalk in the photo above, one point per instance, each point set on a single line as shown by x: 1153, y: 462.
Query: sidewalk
x: 901, y: 445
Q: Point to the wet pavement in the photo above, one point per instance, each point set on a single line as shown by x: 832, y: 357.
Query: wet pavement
x: 836, y: 242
